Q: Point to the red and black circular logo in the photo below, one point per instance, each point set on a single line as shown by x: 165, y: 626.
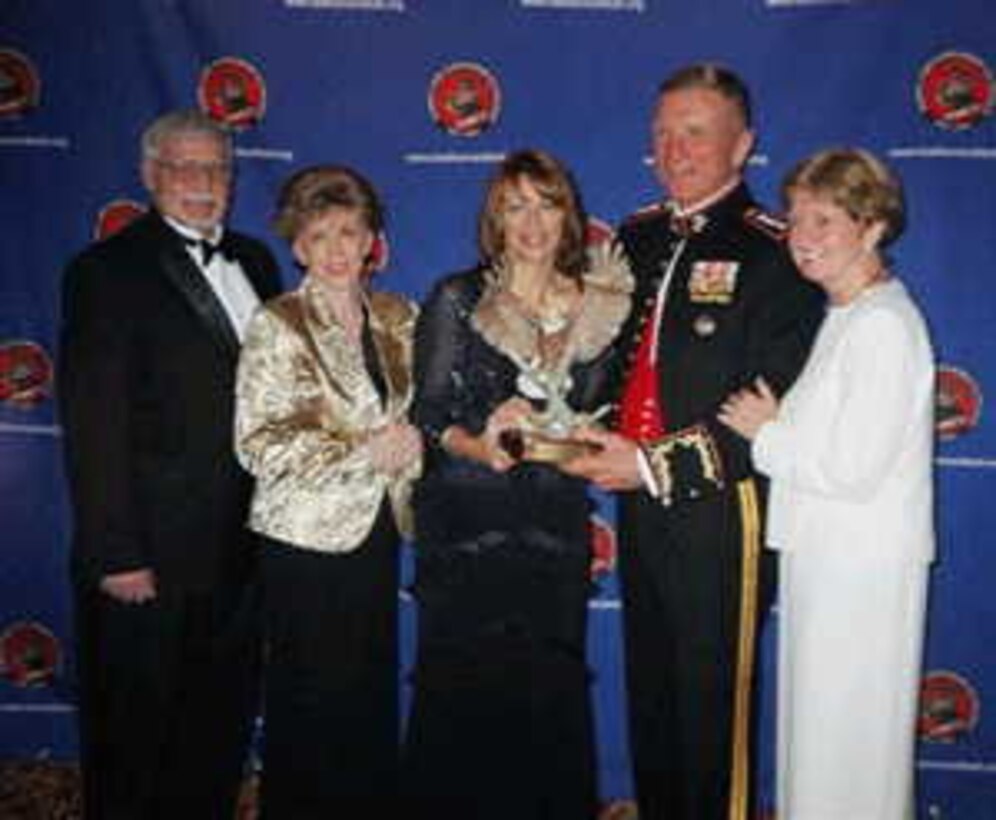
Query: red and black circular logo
x: 955, y: 90
x: 19, y: 83
x: 603, y: 546
x: 949, y: 707
x: 232, y: 92
x: 380, y: 253
x: 25, y: 374
x: 598, y: 232
x: 958, y: 403
x: 116, y: 215
x: 29, y: 654
x: 464, y: 99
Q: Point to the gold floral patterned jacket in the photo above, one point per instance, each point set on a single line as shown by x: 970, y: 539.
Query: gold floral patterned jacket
x: 305, y: 408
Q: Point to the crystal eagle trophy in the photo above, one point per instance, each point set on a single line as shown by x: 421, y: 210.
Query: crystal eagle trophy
x: 546, y: 435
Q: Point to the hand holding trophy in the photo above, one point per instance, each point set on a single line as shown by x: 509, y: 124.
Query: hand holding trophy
x: 546, y: 435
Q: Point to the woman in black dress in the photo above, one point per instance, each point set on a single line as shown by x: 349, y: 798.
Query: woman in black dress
x: 501, y: 723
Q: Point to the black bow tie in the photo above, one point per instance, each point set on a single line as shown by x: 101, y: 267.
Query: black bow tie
x: 207, y: 249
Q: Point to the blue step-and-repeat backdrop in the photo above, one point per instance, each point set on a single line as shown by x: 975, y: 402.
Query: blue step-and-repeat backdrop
x: 424, y: 96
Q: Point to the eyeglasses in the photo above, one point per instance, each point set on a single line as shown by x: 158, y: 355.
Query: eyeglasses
x: 190, y: 169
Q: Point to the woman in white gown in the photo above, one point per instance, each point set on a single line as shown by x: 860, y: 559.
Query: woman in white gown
x: 849, y: 450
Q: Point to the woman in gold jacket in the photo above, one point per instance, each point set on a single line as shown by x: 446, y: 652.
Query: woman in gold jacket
x: 324, y: 385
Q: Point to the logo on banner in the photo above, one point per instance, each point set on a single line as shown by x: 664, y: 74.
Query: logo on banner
x: 955, y: 90
x: 464, y: 99
x: 19, y: 84
x: 116, y: 215
x: 598, y: 232
x: 232, y: 92
x: 949, y: 707
x: 25, y: 374
x: 380, y: 253
x: 603, y: 546
x: 29, y: 654
x: 957, y: 403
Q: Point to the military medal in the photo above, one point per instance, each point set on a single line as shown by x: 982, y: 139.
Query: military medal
x: 704, y: 325
x: 713, y: 281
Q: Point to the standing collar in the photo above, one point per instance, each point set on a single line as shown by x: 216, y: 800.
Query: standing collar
x: 705, y: 203
x: 730, y: 200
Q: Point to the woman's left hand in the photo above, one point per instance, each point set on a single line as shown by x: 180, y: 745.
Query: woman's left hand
x: 747, y: 410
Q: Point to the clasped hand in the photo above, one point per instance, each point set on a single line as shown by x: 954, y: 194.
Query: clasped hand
x: 395, y: 447
x: 750, y: 408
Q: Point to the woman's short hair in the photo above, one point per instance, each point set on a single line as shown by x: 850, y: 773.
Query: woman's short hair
x: 313, y: 191
x: 856, y: 181
x: 555, y: 183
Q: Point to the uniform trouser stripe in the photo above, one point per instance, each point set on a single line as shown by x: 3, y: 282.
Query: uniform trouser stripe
x: 746, y: 645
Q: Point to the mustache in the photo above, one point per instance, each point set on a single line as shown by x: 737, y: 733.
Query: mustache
x: 201, y: 199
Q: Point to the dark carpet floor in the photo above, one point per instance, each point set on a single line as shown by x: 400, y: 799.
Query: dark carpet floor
x: 41, y: 790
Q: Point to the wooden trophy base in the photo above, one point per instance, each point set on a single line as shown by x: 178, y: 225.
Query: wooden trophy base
x: 554, y: 449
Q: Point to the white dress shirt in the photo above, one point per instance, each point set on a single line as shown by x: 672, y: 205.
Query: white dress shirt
x: 226, y: 277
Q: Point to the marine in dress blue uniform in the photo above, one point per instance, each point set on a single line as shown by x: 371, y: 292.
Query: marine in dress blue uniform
x: 718, y: 303
x: 696, y: 581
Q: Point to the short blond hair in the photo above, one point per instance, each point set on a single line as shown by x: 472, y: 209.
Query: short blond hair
x: 856, y: 181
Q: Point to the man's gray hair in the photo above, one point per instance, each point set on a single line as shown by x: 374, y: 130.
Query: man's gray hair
x: 183, y: 121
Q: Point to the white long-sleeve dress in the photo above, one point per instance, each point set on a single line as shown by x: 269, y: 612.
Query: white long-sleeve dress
x: 850, y: 458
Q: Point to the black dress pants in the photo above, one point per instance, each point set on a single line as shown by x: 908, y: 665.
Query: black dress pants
x: 331, y: 716
x: 168, y: 696
x: 686, y: 574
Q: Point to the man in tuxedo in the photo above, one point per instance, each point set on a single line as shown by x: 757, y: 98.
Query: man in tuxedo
x: 718, y: 304
x: 163, y: 566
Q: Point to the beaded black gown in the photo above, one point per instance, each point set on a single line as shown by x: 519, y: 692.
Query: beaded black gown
x: 501, y: 722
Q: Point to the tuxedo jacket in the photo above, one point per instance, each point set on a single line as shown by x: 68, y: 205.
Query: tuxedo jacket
x: 146, y: 391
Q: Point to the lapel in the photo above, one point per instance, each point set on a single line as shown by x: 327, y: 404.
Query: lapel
x: 391, y: 358
x: 180, y: 270
x: 262, y: 279
x: 343, y: 365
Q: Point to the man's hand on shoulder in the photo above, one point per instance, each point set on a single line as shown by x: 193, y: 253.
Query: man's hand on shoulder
x: 133, y: 587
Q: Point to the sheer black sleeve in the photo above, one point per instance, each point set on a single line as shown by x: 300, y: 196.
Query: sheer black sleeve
x: 442, y: 344
x: 597, y: 382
